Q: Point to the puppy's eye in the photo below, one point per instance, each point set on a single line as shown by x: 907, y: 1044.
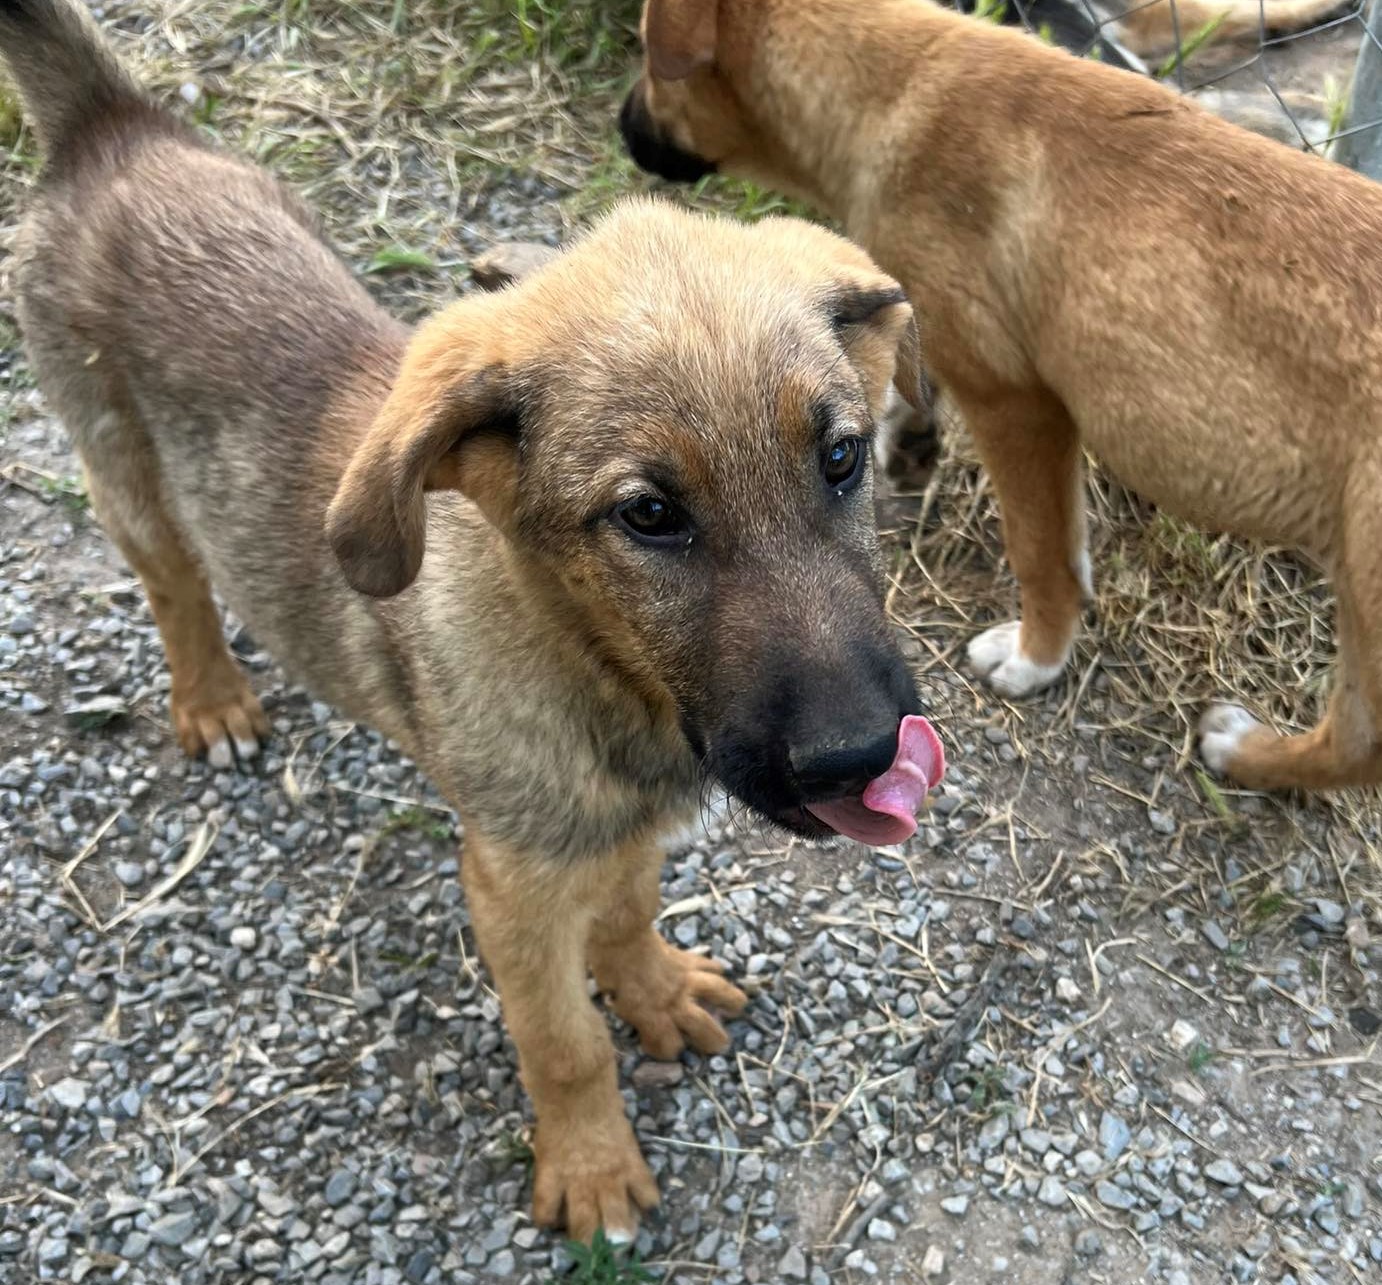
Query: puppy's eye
x: 653, y: 521
x: 843, y: 464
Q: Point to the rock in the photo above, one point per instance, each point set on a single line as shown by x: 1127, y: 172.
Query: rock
x: 510, y: 261
x: 129, y: 873
x: 792, y: 1265
x: 933, y: 1264
x: 70, y: 1094
x: 1089, y: 1244
x: 657, y: 1075
x: 88, y: 715
x: 1214, y: 935
x: 1052, y: 1192
x: 1067, y: 991
x: 244, y: 937
x: 1114, y: 1135
x: 956, y: 1206
x: 1224, y: 1172
x: 881, y: 1229
x: 1182, y: 1035
x: 173, y: 1229
x: 994, y: 1131
x: 1114, y: 1196
x: 339, y: 1187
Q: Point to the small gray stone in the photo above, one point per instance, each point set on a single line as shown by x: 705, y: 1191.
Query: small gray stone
x: 882, y: 1229
x: 1089, y: 1244
x: 174, y: 1229
x: 502, y: 1264
x: 1114, y: 1196
x: 244, y: 937
x: 1224, y: 1172
x: 1214, y: 934
x: 1052, y: 1192
x: 130, y: 873
x: 956, y: 1206
x: 792, y: 1265
x: 69, y: 1093
x: 1114, y: 1135
x: 339, y: 1187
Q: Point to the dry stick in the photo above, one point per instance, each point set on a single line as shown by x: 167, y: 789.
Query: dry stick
x: 24, y: 1048
x: 196, y: 852
x: 965, y: 1020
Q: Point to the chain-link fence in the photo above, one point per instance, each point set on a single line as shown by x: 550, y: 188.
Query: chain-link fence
x: 1307, y: 72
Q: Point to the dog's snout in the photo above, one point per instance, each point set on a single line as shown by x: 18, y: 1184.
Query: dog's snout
x: 833, y: 770
x: 652, y: 151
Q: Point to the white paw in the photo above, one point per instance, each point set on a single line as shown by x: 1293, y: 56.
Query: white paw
x: 1222, y: 729
x: 219, y: 754
x: 1084, y: 573
x: 994, y: 655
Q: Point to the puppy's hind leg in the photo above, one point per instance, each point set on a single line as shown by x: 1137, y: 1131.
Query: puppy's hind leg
x: 664, y: 993
x: 1345, y: 748
x: 1031, y: 450
x: 213, y: 709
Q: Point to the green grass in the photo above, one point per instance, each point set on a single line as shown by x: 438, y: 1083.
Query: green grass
x: 419, y: 819
x: 70, y: 492
x: 401, y: 259
x: 1335, y: 103
x: 988, y: 1090
x: 1201, y: 1055
x: 600, y: 1263
x: 1191, y: 45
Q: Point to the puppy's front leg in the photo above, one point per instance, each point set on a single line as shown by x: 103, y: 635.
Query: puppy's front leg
x: 1031, y: 450
x: 660, y: 991
x: 532, y: 920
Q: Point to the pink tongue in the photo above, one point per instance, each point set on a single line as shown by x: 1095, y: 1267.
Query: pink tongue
x: 886, y: 812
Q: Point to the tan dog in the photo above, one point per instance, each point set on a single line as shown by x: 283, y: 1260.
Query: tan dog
x: 580, y: 547
x: 1094, y: 261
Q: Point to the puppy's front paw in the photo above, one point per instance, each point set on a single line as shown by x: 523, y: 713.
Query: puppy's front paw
x: 591, y: 1171
x: 1223, y: 729
x: 222, y: 719
x: 996, y: 656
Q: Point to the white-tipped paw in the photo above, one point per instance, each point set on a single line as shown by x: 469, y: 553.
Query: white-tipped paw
x: 1222, y: 729
x: 995, y: 655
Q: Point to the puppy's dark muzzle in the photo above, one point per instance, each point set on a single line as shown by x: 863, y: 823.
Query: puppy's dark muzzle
x: 651, y: 151
x: 836, y: 771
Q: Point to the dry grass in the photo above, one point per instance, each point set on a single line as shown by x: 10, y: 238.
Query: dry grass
x: 1181, y: 619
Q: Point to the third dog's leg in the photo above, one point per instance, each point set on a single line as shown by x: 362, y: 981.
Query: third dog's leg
x: 1345, y: 749
x: 1032, y: 453
x: 659, y: 990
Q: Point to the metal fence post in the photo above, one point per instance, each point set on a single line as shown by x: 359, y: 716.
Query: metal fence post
x: 1362, y: 150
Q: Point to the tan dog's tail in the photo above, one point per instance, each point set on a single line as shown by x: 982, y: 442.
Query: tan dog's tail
x: 1150, y: 29
x: 66, y: 73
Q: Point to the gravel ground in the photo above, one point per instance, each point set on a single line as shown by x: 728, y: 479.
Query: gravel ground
x: 1096, y: 1023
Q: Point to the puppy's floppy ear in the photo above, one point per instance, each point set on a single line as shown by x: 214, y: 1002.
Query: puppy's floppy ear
x: 679, y: 36
x: 450, y: 422
x: 876, y: 325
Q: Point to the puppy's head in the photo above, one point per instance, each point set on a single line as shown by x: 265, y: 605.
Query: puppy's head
x: 670, y: 426
x: 690, y: 113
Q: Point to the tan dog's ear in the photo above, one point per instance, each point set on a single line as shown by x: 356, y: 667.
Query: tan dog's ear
x: 879, y: 332
x: 451, y: 422
x: 679, y: 36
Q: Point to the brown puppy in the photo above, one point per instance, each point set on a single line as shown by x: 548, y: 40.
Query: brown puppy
x: 580, y: 547
x: 1094, y: 261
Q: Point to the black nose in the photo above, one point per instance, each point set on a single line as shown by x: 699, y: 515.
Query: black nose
x: 824, y: 773
x: 652, y: 152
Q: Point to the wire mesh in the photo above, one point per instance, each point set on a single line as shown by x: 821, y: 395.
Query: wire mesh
x: 1291, y: 82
